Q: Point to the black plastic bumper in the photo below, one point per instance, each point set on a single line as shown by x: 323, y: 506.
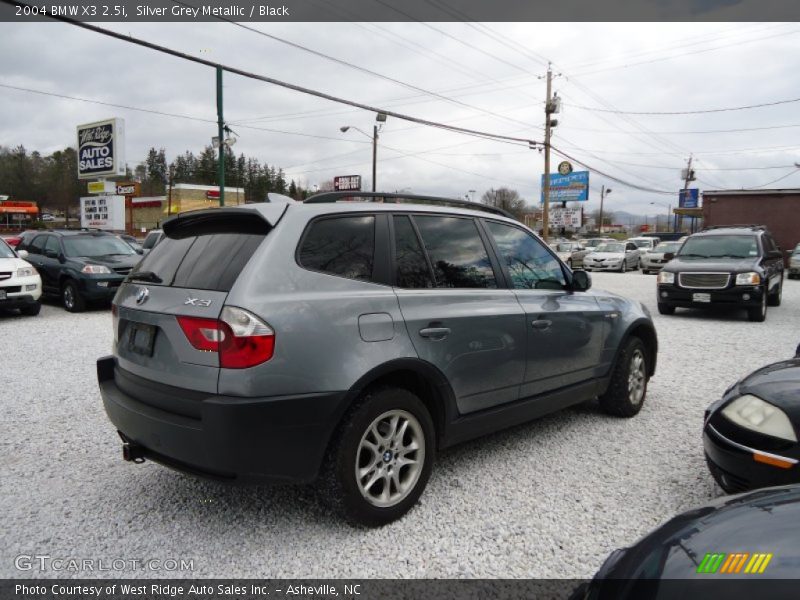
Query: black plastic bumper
x: 277, y: 438
x: 17, y: 301
x: 738, y: 468
x: 92, y: 290
x: 731, y: 297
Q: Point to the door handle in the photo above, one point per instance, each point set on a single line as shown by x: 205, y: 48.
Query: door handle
x: 541, y: 324
x: 435, y: 333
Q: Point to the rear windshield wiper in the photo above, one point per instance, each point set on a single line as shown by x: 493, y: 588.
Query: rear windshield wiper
x: 144, y: 276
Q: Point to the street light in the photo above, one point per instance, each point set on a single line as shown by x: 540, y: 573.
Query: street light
x: 669, y: 213
x: 379, y: 118
x: 603, y: 192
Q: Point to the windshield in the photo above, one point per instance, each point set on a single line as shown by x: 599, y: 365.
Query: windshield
x: 796, y: 251
x: 667, y: 247
x: 610, y: 248
x: 594, y: 243
x: 565, y: 247
x: 96, y: 245
x: 720, y: 246
x: 641, y: 243
x: 5, y: 250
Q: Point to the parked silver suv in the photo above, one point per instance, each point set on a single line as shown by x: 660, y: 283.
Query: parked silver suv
x: 353, y: 340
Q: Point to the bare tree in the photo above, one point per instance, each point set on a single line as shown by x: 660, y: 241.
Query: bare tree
x: 507, y: 199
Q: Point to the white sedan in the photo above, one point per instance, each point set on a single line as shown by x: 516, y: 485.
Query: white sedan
x: 20, y: 283
x: 613, y: 256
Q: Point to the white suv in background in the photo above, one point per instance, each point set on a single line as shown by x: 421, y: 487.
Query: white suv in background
x: 20, y: 283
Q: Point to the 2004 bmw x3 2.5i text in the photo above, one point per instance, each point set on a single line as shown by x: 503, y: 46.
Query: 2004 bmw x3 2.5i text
x: 352, y: 340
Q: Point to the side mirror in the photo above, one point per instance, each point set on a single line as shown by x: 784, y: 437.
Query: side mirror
x: 775, y: 254
x: 581, y: 281
x: 669, y: 255
x: 139, y: 251
x: 22, y: 254
x: 50, y: 254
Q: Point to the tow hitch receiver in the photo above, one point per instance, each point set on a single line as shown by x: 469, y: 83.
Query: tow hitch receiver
x: 133, y: 453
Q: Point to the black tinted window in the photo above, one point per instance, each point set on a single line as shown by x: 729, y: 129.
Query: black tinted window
x: 52, y: 245
x: 343, y: 246
x: 151, y: 239
x: 457, y: 253
x: 529, y: 263
x: 205, y: 262
x: 37, y: 244
x: 412, y: 267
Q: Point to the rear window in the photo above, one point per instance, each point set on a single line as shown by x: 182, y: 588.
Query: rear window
x: 343, y: 246
x: 207, y: 261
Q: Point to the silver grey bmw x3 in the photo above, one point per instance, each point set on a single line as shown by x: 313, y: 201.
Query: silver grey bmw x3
x: 349, y: 341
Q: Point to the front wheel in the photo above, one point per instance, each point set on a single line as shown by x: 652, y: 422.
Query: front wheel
x: 624, y: 267
x: 382, y: 457
x: 71, y: 297
x: 628, y: 386
x: 758, y: 314
x: 665, y: 309
x: 31, y: 310
x: 775, y: 299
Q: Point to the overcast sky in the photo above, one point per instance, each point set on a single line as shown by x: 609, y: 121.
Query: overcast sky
x: 493, y: 86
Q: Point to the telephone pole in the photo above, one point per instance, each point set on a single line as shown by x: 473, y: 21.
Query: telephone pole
x: 603, y: 192
x: 689, y: 177
x: 548, y: 110
x: 220, y: 133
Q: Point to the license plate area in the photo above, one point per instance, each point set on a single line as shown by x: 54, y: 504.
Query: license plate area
x: 141, y: 338
x: 701, y: 297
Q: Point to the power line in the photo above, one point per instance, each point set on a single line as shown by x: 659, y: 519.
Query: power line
x: 685, y: 112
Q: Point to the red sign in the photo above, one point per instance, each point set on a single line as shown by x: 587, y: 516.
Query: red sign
x: 347, y: 183
x: 644, y: 228
x: 212, y: 194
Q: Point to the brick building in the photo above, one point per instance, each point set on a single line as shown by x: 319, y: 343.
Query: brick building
x: 779, y: 210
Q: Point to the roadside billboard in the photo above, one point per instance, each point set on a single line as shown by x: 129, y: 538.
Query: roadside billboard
x: 573, y: 187
x: 103, y: 212
x: 688, y: 198
x: 101, y: 148
x: 568, y: 218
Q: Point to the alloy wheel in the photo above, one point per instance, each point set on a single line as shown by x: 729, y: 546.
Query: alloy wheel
x: 636, y: 378
x: 390, y: 458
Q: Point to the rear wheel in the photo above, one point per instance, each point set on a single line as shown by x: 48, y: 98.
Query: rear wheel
x: 665, y: 309
x: 31, y: 310
x: 381, y: 458
x: 758, y: 314
x: 71, y: 297
x: 628, y: 387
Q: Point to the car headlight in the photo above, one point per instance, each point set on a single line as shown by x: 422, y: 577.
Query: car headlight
x: 26, y: 272
x: 753, y: 413
x: 748, y: 279
x: 95, y: 269
x: 666, y: 277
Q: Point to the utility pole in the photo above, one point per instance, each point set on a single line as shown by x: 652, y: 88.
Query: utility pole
x: 374, y: 155
x: 548, y: 110
x: 220, y: 133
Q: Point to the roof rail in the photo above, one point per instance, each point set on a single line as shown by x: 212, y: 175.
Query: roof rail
x: 397, y: 198
x: 748, y: 226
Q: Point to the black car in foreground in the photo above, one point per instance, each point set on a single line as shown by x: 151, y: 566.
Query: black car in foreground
x: 733, y: 266
x: 750, y: 434
x: 745, y: 546
x: 79, y: 266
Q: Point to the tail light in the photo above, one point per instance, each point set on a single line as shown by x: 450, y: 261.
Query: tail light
x: 240, y: 338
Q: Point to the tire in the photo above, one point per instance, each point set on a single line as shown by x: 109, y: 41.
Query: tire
x: 775, y: 299
x: 362, y: 429
x: 665, y: 309
x: 71, y: 297
x: 569, y: 264
x: 628, y: 386
x: 624, y: 267
x: 758, y: 314
x: 31, y: 310
x: 645, y: 272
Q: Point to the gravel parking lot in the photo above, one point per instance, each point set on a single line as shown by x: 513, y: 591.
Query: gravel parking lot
x: 548, y: 499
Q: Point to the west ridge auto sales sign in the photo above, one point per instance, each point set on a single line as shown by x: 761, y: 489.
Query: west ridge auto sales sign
x: 101, y: 149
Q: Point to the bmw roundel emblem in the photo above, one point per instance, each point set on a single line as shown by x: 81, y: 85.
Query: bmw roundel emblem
x: 142, y: 295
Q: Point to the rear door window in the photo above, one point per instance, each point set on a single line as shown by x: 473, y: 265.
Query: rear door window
x: 342, y: 246
x: 456, y: 252
x: 412, y: 270
x: 206, y: 261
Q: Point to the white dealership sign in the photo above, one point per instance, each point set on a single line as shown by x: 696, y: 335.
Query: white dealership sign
x: 569, y: 218
x: 103, y: 212
x: 101, y: 149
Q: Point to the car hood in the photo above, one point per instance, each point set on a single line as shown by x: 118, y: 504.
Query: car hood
x: 766, y: 521
x: 606, y: 255
x: 778, y: 383
x: 12, y: 264
x: 688, y: 265
x: 112, y: 262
